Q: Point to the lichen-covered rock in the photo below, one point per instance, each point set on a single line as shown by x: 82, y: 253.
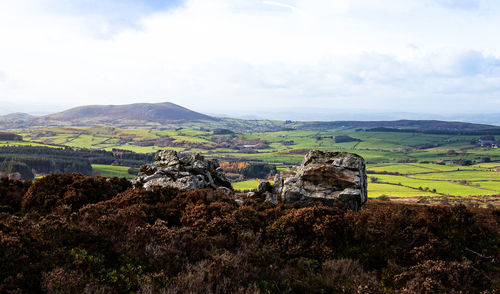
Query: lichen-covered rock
x: 188, y: 172
x: 327, y: 177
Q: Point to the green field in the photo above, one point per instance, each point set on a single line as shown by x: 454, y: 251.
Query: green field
x: 442, y: 187
x: 376, y: 190
x: 246, y: 185
x: 414, y: 160
x: 461, y: 175
x: 111, y: 171
x: 23, y: 143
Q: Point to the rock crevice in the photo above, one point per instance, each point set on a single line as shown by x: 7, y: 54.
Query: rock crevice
x: 188, y: 172
x: 326, y: 177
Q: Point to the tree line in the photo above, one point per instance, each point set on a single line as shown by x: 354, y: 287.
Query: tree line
x: 27, y: 160
x: 493, y: 131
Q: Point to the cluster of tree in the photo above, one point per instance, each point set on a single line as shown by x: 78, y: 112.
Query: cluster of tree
x: 464, y: 162
x: 16, y: 169
x: 10, y: 136
x: 45, y: 160
x: 233, y: 167
x: 258, y: 170
x: 345, y: 138
x: 76, y: 234
x: 222, y: 132
x: 383, y: 172
x: 123, y: 157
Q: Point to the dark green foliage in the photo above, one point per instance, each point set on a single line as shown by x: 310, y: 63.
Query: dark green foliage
x: 10, y: 136
x: 464, y: 162
x: 83, y: 234
x: 258, y: 170
x: 345, y: 138
x: 47, y: 160
x: 13, y: 166
x: 222, y: 132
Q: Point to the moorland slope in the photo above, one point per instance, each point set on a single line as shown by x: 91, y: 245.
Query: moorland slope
x: 139, y: 113
x: 74, y: 234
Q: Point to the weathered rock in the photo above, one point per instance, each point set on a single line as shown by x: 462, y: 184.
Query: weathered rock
x: 264, y: 187
x: 188, y: 172
x: 327, y: 177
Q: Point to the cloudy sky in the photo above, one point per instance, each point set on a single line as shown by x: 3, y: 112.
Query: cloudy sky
x: 245, y: 57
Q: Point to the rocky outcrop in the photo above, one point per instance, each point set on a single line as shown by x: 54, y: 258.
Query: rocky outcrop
x: 327, y: 177
x: 188, y: 172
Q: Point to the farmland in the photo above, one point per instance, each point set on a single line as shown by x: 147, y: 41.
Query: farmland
x: 112, y: 171
x: 399, y: 164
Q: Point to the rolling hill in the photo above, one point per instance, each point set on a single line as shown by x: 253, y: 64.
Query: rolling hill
x: 398, y: 124
x: 169, y: 115
x: 17, y: 116
x: 131, y: 114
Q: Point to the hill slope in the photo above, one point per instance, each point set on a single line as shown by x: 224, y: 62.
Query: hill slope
x: 173, y: 116
x: 123, y: 114
x: 399, y: 124
x: 17, y: 116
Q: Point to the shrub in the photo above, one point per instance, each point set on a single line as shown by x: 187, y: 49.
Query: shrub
x: 82, y: 234
x: 11, y: 194
x: 442, y: 277
x: 258, y: 170
x: 74, y: 190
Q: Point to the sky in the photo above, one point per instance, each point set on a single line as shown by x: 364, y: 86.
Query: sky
x: 251, y: 57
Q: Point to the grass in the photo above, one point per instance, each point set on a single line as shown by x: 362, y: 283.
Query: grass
x: 442, y: 187
x: 112, y: 171
x: 376, y: 189
x: 24, y: 143
x: 247, y: 185
x: 492, y: 185
x: 488, y: 165
x: 461, y: 175
x: 401, y: 168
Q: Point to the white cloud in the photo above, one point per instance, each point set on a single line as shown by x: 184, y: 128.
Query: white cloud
x: 222, y: 56
x: 460, y: 4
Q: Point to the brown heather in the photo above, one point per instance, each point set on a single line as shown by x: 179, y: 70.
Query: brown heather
x: 78, y: 234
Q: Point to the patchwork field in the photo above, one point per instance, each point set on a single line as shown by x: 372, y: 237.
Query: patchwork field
x: 404, y: 164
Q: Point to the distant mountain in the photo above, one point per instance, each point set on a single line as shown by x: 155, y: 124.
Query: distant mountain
x: 317, y: 114
x: 17, y: 116
x: 151, y: 114
x: 130, y: 114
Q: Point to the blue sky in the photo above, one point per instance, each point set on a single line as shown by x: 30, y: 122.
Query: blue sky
x: 243, y: 56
